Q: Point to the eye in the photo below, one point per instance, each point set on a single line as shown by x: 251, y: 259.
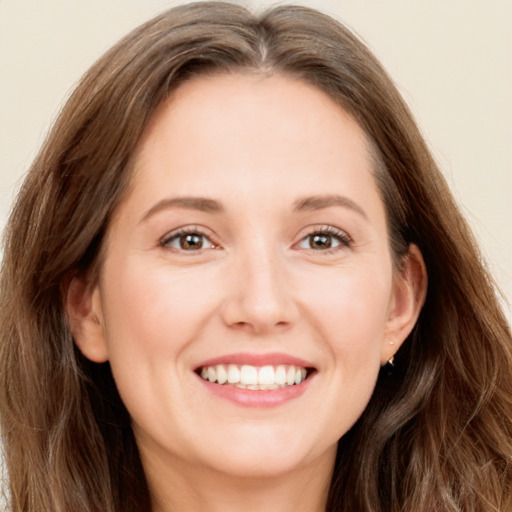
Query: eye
x: 325, y: 239
x: 189, y: 240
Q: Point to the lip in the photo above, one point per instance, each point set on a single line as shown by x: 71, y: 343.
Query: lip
x: 271, y: 358
x: 257, y: 398
x: 253, y: 398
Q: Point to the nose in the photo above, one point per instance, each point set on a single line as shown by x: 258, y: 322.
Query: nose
x: 260, y: 299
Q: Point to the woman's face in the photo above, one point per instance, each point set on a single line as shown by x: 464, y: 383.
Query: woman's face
x: 251, y: 249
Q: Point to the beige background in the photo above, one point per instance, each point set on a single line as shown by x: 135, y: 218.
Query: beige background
x: 452, y: 60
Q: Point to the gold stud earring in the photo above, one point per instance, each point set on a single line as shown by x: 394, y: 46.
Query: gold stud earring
x: 391, y: 360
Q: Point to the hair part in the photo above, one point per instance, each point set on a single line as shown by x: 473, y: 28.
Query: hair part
x: 437, y: 434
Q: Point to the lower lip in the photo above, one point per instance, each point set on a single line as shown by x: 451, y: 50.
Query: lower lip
x: 255, y: 398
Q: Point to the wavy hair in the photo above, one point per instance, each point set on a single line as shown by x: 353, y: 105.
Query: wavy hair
x: 437, y: 433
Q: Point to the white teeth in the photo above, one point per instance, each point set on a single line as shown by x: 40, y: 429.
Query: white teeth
x: 248, y: 375
x: 290, y: 376
x: 266, y: 376
x: 280, y: 376
x: 253, y: 377
x: 233, y: 374
x: 222, y: 374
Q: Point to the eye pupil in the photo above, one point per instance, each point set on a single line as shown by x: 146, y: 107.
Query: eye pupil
x: 321, y: 241
x: 192, y: 241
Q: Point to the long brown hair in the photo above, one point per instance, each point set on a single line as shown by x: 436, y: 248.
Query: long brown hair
x: 437, y: 434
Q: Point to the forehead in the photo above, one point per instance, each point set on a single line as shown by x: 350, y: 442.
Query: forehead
x: 250, y: 141
x: 257, y: 120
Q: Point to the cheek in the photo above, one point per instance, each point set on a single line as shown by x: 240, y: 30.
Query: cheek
x: 152, y: 311
x: 348, y: 316
x: 152, y: 317
x: 351, y: 313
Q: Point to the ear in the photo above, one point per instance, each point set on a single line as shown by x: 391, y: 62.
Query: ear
x: 85, y: 318
x: 408, y: 297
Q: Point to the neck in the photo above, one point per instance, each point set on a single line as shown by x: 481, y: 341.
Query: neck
x: 188, y: 489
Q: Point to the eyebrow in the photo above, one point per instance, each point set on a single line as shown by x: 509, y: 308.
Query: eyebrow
x: 319, y: 202
x: 201, y: 204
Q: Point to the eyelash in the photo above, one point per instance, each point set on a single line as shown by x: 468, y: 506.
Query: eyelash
x: 332, y: 232
x: 191, y: 230
x: 341, y: 237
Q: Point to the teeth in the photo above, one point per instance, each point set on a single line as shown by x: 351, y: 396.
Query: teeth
x: 249, y: 375
x: 222, y: 374
x: 233, y: 374
x: 290, y: 376
x: 254, y: 377
x: 300, y: 375
x: 266, y: 376
x: 280, y: 375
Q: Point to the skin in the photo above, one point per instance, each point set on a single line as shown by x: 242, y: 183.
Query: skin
x: 257, y: 146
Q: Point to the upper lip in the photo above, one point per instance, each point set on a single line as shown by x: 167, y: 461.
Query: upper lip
x: 245, y: 358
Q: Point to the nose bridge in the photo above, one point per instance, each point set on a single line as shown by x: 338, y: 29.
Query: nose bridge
x: 263, y: 279
x: 261, y: 298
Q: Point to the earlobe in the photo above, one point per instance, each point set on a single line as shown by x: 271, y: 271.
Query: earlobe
x: 85, y: 318
x: 409, y: 292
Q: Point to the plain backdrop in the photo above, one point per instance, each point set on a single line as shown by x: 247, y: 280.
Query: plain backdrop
x: 451, y: 59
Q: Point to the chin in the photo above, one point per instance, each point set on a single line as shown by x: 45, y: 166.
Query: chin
x: 258, y: 465
x: 263, y: 453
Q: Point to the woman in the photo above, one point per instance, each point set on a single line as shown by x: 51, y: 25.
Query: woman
x: 214, y: 288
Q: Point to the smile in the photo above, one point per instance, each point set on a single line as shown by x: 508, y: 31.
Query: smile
x: 261, y: 378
